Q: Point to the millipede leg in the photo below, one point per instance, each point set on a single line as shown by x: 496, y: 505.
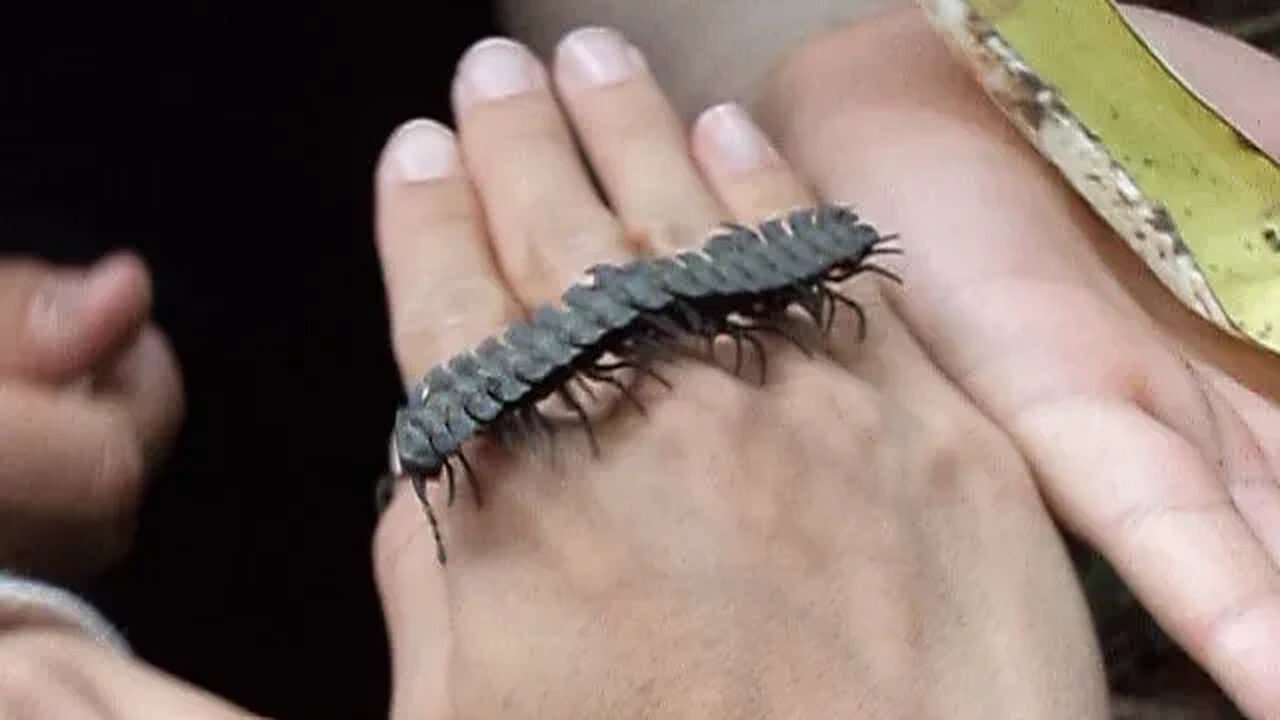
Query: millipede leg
x: 644, y: 369
x: 649, y: 348
x: 737, y: 354
x: 811, y: 303
x: 668, y: 344
x: 760, y: 353
x: 529, y: 431
x: 582, y: 415
x: 639, y: 367
x: 808, y: 300
x: 878, y: 250
x: 871, y: 267
x: 544, y: 428
x: 472, y: 480
x: 586, y: 387
x: 666, y: 328
x: 839, y: 274
x: 862, y: 316
x: 510, y: 428
x: 420, y: 489
x: 781, y: 331
x: 692, y: 317
x: 622, y: 388
x: 449, y: 481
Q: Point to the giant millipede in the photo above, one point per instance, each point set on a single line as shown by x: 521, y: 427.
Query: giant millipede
x: 742, y: 281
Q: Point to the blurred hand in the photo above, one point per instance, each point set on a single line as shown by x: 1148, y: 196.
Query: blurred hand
x: 1154, y: 436
x: 90, y: 398
x: 852, y: 539
x: 59, y: 675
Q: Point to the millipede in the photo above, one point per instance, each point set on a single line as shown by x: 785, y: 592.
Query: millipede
x: 740, y: 283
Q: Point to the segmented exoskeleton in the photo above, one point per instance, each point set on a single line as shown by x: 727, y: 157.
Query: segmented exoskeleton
x: 738, y: 284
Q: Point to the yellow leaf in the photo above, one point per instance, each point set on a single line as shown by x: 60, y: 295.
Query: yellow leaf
x: 1195, y: 197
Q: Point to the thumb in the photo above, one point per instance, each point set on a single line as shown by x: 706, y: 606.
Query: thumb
x: 57, y: 675
x: 415, y: 604
x: 57, y: 323
x: 145, y: 380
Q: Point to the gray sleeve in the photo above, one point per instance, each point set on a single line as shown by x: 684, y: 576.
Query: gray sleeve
x: 26, y: 602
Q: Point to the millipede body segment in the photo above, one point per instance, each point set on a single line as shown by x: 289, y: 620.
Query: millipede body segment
x: 740, y: 283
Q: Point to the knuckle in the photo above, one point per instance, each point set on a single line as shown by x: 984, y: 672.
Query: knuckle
x: 939, y: 446
x: 966, y: 459
x: 455, y: 308
x: 711, y: 407
x: 561, y: 245
x: 715, y: 398
x: 837, y: 408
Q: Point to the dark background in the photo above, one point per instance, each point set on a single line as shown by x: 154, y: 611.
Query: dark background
x: 234, y: 148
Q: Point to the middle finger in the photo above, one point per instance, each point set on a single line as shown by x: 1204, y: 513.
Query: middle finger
x: 547, y: 223
x: 637, y: 143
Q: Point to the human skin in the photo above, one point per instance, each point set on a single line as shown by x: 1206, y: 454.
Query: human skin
x: 1154, y: 437
x: 703, y: 52
x: 55, y: 674
x: 414, y: 595
x: 912, y: 119
x: 90, y: 399
x: 854, y: 537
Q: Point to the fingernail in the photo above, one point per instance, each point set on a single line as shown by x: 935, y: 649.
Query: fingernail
x: 597, y: 56
x: 496, y: 68
x: 422, y: 150
x: 739, y: 145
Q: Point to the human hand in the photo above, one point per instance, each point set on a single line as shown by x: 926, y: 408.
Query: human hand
x: 1154, y: 437
x: 853, y: 534
x: 90, y: 398
x: 60, y: 675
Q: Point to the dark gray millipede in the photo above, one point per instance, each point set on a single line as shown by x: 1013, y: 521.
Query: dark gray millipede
x: 739, y: 283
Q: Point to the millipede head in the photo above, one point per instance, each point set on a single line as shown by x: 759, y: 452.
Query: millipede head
x: 414, y: 453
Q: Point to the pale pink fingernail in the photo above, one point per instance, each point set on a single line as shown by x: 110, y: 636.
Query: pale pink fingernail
x: 422, y: 150
x: 737, y: 143
x: 496, y: 68
x: 597, y: 57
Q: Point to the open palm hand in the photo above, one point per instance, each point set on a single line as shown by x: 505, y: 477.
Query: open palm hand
x: 1154, y: 437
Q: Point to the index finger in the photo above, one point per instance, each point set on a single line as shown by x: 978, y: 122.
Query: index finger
x: 443, y: 287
